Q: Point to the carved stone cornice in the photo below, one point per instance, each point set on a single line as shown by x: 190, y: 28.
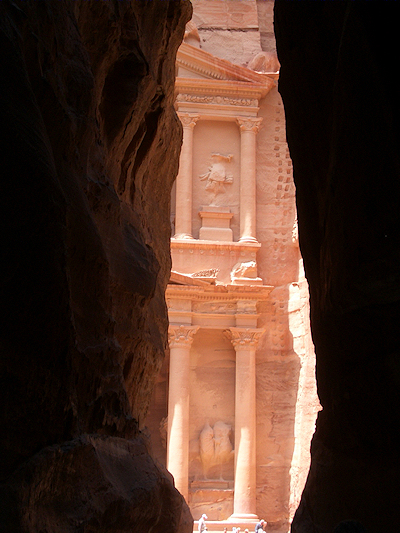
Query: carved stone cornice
x: 189, y: 120
x: 244, y: 338
x: 222, y: 293
x: 249, y: 124
x: 215, y: 246
x: 179, y: 336
x: 228, y: 88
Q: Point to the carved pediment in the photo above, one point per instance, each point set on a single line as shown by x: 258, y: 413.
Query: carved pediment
x: 200, y: 71
x: 177, y: 278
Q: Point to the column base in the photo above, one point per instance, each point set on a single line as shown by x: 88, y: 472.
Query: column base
x: 248, y: 238
x: 244, y: 517
x: 220, y: 525
x: 183, y: 236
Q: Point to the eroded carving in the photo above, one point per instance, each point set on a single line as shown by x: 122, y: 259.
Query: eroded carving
x: 215, y: 446
x: 246, y: 307
x: 220, y: 100
x: 217, y: 175
x: 247, y: 269
x: 209, y: 273
x: 192, y: 34
x: 189, y: 120
x: 249, y: 123
x: 214, y: 307
x: 181, y: 335
x: 244, y: 338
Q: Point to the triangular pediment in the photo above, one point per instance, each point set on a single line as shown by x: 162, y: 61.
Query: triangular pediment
x: 195, y: 63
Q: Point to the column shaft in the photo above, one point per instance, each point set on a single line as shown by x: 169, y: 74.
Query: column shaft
x: 248, y: 131
x: 180, y: 340
x: 184, y: 180
x: 245, y: 343
x: 245, y: 434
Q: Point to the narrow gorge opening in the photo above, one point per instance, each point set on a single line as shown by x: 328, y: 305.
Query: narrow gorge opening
x: 234, y: 406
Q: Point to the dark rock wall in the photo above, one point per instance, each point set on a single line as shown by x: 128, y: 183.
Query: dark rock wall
x: 89, y: 151
x: 338, y: 83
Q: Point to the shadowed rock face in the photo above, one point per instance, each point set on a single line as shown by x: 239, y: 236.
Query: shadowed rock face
x: 338, y: 84
x: 90, y: 146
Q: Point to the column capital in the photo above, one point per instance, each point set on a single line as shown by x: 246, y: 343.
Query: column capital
x: 180, y: 335
x: 189, y: 120
x: 249, y: 123
x: 244, y: 338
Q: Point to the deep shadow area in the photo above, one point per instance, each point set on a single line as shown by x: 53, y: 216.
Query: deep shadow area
x: 90, y: 144
x: 338, y: 85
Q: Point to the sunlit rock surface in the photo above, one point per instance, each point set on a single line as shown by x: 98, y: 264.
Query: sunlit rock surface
x: 342, y: 110
x: 90, y: 146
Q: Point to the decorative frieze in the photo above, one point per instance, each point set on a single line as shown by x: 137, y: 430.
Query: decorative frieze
x: 217, y: 99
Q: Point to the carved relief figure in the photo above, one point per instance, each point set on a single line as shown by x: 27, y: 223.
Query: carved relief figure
x: 207, y: 448
x: 215, y: 446
x: 217, y: 176
x: 223, y: 446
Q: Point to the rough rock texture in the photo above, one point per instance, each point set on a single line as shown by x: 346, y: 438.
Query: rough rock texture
x: 342, y: 109
x: 90, y: 145
x: 93, y: 483
x: 231, y: 27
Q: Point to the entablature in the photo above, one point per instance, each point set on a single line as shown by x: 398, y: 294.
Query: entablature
x: 220, y: 247
x: 217, y: 88
x: 215, y: 306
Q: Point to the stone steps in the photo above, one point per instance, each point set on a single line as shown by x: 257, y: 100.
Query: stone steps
x: 216, y: 526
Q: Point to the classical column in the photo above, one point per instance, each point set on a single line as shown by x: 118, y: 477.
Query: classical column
x: 180, y: 340
x: 248, y: 130
x: 183, y: 215
x: 245, y: 342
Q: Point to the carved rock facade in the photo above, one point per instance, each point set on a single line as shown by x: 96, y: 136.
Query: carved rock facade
x: 241, y: 353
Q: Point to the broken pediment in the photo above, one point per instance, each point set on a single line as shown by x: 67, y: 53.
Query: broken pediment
x: 178, y: 278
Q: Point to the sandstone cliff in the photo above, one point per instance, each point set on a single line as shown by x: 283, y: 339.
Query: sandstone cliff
x: 342, y: 109
x: 90, y: 146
